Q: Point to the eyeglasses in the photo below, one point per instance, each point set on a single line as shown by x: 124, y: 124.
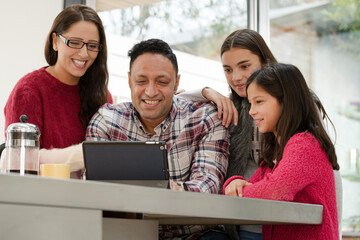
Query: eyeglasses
x: 78, y: 44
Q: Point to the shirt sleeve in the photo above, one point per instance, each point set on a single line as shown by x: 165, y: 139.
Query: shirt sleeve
x: 259, y: 173
x: 293, y: 173
x: 72, y: 156
x: 210, y: 160
x: 98, y: 128
x: 25, y: 99
x: 193, y: 95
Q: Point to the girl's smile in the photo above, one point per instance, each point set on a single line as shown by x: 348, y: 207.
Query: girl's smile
x: 265, y: 109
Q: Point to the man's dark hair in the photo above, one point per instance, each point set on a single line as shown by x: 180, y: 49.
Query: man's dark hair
x: 155, y: 46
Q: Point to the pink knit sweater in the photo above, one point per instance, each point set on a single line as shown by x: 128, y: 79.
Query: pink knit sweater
x: 303, y: 175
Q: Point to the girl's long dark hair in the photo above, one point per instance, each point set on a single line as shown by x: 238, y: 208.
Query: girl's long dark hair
x: 93, y: 84
x: 252, y: 41
x: 300, y: 112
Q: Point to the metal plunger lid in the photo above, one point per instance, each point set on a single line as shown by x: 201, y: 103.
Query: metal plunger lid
x: 22, y: 131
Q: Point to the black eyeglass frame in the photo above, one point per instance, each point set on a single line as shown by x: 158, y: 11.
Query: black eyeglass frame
x: 67, y: 42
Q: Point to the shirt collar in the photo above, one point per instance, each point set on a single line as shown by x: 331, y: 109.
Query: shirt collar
x: 164, y: 124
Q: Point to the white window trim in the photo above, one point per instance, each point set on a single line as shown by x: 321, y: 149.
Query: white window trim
x: 258, y: 18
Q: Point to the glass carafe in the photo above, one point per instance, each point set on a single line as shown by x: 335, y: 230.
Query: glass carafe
x: 22, y: 148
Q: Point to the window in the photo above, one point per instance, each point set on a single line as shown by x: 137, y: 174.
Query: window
x: 195, y: 29
x: 322, y: 38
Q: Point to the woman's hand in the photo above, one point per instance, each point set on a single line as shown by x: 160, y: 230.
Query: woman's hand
x: 235, y: 187
x: 226, y: 108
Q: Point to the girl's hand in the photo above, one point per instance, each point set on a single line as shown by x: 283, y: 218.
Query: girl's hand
x: 235, y: 187
x: 226, y: 108
x: 180, y: 91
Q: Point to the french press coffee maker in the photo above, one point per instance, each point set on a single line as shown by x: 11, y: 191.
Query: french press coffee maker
x: 22, y: 148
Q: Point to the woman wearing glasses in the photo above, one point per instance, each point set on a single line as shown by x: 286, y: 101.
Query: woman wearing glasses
x: 61, y: 98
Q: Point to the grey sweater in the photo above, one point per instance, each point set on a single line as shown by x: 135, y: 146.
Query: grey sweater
x: 243, y: 161
x: 244, y: 149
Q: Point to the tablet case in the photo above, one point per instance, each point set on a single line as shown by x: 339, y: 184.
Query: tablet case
x: 126, y: 161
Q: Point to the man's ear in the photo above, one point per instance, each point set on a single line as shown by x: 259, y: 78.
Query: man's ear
x: 129, y: 76
x: 177, y: 83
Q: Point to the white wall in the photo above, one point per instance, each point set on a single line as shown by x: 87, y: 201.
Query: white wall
x: 24, y: 26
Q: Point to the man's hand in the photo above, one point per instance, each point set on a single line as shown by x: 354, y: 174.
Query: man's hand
x: 226, y: 108
x: 176, y: 186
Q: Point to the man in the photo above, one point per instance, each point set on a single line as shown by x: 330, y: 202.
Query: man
x: 197, y: 143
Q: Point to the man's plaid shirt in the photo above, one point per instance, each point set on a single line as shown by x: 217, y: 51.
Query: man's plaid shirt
x: 197, y: 143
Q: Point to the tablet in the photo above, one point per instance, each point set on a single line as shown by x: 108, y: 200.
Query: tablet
x: 137, y: 162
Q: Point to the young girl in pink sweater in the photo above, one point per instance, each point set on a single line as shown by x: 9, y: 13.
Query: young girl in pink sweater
x: 298, y: 155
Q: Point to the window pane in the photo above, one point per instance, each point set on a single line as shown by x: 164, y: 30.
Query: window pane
x: 322, y: 38
x: 195, y: 29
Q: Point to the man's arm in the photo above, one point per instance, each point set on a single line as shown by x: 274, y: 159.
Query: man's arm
x: 210, y: 159
x: 226, y: 108
x: 98, y: 128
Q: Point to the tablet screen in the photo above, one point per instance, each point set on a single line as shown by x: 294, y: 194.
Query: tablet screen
x: 120, y: 160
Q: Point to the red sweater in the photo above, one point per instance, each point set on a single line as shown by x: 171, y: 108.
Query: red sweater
x: 49, y: 104
x: 303, y: 175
